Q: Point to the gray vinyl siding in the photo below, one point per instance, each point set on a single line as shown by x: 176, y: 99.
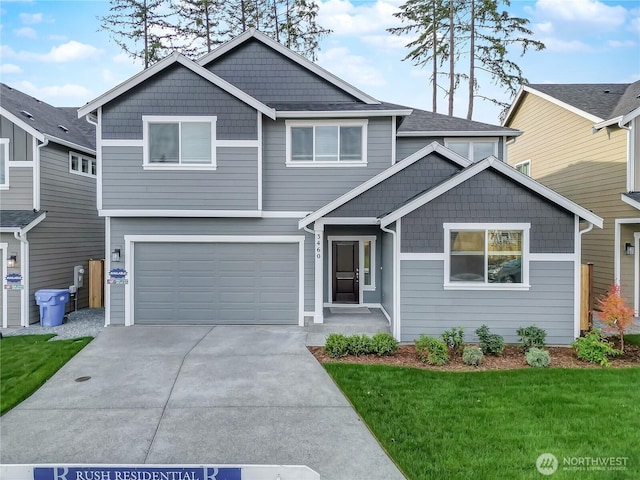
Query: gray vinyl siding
x: 406, y: 146
x: 19, y: 196
x: 489, y: 197
x: 394, y: 191
x: 207, y: 226
x: 386, y: 273
x: 13, y: 296
x: 20, y: 142
x: 178, y: 91
x: 271, y: 77
x: 232, y: 186
x: 72, y: 232
x: 309, y: 188
x: 426, y: 308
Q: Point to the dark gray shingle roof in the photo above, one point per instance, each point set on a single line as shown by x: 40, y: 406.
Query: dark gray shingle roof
x: 629, y: 101
x: 334, y: 107
x: 635, y: 196
x: 46, y: 118
x: 424, y: 121
x: 599, y: 99
x: 18, y: 218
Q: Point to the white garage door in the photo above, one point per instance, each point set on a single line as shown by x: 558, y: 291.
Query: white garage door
x: 216, y: 283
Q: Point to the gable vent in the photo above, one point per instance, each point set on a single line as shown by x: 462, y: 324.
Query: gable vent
x: 63, y: 128
x: 26, y: 114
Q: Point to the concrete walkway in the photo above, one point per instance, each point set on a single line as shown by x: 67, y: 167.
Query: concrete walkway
x: 195, y: 395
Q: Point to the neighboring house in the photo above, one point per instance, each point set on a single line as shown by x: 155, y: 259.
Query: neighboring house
x: 48, y: 218
x: 582, y: 140
x: 254, y: 187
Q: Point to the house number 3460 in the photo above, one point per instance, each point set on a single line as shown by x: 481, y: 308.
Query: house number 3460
x: 318, y: 245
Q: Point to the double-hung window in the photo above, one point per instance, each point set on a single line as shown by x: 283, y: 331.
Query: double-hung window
x: 479, y: 256
x: 326, y: 143
x: 474, y: 150
x: 82, y: 165
x: 179, y: 142
x: 524, y: 167
x: 4, y: 163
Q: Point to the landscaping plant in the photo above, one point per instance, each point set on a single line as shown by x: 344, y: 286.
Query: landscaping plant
x: 490, y: 343
x: 615, y: 313
x: 537, y: 357
x: 431, y: 350
x: 336, y: 345
x: 531, y: 337
x: 472, y: 356
x: 383, y: 344
x: 358, y: 345
x: 595, y: 348
x: 454, y: 339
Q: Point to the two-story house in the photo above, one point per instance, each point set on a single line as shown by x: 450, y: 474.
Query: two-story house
x: 254, y: 187
x: 49, y: 223
x: 582, y: 141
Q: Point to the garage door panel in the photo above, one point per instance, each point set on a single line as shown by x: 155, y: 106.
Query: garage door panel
x: 215, y: 283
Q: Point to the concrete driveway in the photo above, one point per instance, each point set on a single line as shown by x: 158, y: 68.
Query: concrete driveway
x: 195, y: 395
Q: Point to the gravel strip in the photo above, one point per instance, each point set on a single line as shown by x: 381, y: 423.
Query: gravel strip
x: 88, y: 322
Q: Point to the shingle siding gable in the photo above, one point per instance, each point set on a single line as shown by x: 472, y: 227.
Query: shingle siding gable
x: 271, y: 77
x: 178, y: 91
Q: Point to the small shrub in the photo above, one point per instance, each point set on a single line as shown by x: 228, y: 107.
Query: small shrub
x: 431, y: 350
x: 454, y: 338
x: 490, y: 343
x: 472, y: 356
x: 532, y: 337
x: 336, y: 345
x: 383, y: 344
x: 594, y: 348
x: 615, y: 313
x: 536, y: 357
x: 358, y: 345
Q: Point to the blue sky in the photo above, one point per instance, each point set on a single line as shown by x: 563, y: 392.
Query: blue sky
x: 53, y: 50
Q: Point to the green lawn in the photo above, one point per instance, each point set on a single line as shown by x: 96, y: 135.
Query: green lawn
x: 494, y: 425
x: 633, y: 339
x: 27, y: 361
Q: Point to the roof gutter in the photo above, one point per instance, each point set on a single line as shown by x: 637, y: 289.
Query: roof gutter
x: 66, y: 143
x: 461, y: 133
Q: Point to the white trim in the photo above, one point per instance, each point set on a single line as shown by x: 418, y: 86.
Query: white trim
x: 318, y: 254
x: 161, y: 65
x: 631, y: 161
x: 630, y: 201
x: 552, y: 257
x: 239, y: 143
x: 22, y: 124
x: 524, y: 162
x: 299, y: 59
x: 361, y: 285
x: 508, y: 171
x: 617, y: 247
x: 505, y: 150
x: 397, y: 291
x: 486, y: 285
x: 71, y: 145
x: 577, y: 276
x: 107, y: 269
x: 283, y: 214
x: 4, y: 145
x: 460, y: 133
x: 179, y: 167
x: 384, y: 312
x: 394, y: 128
x: 342, y: 113
x: 363, y: 187
x: 260, y: 161
x: 472, y: 141
x: 92, y: 163
x: 122, y: 143
x: 289, y: 124
x: 427, y: 257
x: 27, y: 227
x: 549, y: 98
x: 636, y: 273
x: 347, y: 221
x: 23, y: 164
x: 180, y: 213
x: 4, y: 247
x: 37, y: 155
x: 632, y: 115
x: 98, y: 125
x: 131, y: 240
x: 147, y: 164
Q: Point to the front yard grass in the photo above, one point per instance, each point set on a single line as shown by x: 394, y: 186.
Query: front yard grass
x: 27, y: 361
x: 632, y: 339
x: 489, y: 425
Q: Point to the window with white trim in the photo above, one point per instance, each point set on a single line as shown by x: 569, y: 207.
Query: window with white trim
x: 179, y: 142
x: 474, y: 150
x: 82, y: 165
x: 524, y: 167
x: 486, y: 256
x: 4, y: 162
x: 326, y: 143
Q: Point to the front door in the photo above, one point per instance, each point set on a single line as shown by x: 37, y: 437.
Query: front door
x: 346, y: 285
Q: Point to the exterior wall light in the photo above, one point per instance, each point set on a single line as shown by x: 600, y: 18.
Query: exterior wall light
x: 115, y: 255
x: 629, y: 249
x: 12, y: 260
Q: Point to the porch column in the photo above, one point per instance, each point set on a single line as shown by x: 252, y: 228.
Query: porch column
x: 318, y: 316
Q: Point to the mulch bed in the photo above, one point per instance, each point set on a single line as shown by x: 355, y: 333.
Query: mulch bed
x: 511, y: 358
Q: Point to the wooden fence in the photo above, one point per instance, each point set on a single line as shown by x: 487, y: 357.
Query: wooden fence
x: 586, y: 297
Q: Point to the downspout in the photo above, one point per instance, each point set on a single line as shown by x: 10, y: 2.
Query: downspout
x: 36, y: 175
x: 396, y: 299
x: 578, y: 277
x: 586, y: 230
x: 24, y: 266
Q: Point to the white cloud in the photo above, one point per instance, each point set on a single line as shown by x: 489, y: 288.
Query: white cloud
x: 590, y: 14
x: 619, y: 44
x: 635, y: 25
x: 7, y: 68
x: 344, y: 18
x: 566, y: 46
x: 387, y: 42
x: 72, y: 51
x: 26, y: 32
x: 31, y: 18
x: 352, y: 68
x: 545, y: 27
x: 56, y: 94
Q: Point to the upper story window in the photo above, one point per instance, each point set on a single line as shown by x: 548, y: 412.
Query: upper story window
x: 524, y: 167
x: 179, y: 142
x: 474, y: 150
x: 480, y: 256
x: 82, y: 165
x: 327, y: 143
x: 4, y: 162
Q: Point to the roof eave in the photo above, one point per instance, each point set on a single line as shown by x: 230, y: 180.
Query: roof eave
x: 630, y: 201
x: 341, y: 113
x: 27, y: 227
x: 22, y: 124
x: 460, y: 133
x: 71, y: 145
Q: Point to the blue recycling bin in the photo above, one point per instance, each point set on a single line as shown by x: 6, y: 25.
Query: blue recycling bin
x: 52, y: 306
